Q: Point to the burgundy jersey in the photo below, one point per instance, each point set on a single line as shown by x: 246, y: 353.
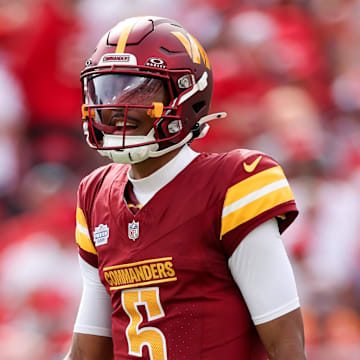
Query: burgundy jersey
x: 166, y: 266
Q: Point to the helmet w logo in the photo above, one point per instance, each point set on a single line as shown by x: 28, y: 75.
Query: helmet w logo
x: 193, y: 48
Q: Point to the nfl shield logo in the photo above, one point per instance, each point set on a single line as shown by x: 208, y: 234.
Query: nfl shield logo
x: 133, y: 230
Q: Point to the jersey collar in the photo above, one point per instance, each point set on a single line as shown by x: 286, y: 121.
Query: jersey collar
x: 145, y: 188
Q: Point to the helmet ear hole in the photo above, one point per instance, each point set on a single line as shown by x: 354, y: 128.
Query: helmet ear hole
x: 198, y: 106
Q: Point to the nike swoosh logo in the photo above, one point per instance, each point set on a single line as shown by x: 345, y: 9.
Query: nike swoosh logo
x: 251, y: 167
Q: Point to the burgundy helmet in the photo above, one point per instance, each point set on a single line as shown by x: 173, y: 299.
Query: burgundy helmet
x: 147, y: 64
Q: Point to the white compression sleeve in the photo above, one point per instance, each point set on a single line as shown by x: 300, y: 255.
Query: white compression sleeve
x: 94, y: 314
x: 262, y: 270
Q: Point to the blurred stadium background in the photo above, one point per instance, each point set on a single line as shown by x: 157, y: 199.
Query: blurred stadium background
x: 287, y: 73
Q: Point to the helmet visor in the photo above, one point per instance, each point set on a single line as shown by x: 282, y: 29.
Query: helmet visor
x: 121, y: 104
x: 124, y: 89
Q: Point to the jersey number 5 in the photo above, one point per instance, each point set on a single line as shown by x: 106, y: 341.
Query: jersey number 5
x: 149, y: 336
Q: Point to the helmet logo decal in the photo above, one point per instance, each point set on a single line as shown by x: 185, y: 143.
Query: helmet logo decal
x: 156, y: 62
x: 202, y: 52
x: 119, y: 58
x: 116, y: 59
x: 193, y: 48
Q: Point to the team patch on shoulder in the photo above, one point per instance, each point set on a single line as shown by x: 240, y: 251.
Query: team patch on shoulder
x: 101, y: 235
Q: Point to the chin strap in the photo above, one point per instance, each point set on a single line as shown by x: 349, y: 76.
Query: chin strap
x: 138, y: 154
x: 202, y: 132
x: 207, y: 118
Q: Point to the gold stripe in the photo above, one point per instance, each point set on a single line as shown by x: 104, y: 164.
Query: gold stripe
x: 195, y: 50
x: 120, y: 48
x: 203, y: 53
x: 184, y: 40
x: 137, y: 263
x: 253, y: 183
x: 80, y: 218
x: 84, y: 242
x: 143, y: 283
x: 255, y: 208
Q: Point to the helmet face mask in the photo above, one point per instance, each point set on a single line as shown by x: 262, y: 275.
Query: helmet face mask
x: 115, y: 97
x: 153, y: 89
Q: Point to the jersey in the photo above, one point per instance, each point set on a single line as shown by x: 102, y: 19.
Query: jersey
x: 166, y: 266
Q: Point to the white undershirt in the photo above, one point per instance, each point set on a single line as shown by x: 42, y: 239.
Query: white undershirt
x: 259, y: 265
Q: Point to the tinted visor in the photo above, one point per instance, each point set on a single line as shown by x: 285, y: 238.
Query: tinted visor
x: 124, y: 89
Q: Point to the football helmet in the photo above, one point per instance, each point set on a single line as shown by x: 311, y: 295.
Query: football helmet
x: 146, y: 69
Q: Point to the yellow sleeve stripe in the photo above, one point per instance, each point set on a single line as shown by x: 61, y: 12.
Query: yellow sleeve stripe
x: 80, y: 218
x: 129, y: 24
x: 253, y: 183
x: 255, y: 203
x: 83, y: 230
x: 82, y: 233
x: 85, y: 242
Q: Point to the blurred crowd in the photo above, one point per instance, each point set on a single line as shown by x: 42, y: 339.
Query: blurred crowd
x: 288, y: 75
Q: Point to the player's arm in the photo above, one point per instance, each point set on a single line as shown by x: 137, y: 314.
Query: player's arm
x: 90, y: 347
x: 283, y: 337
x: 262, y: 270
x: 92, y: 330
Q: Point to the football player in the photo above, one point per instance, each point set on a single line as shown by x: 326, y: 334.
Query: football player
x: 180, y: 252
